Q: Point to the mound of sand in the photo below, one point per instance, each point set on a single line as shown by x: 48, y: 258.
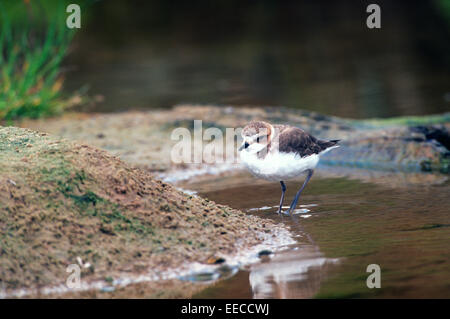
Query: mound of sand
x: 60, y: 200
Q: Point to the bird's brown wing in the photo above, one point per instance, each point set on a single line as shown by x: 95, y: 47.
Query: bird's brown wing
x: 295, y: 140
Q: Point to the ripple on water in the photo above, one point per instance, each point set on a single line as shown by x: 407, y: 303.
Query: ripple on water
x: 302, y: 210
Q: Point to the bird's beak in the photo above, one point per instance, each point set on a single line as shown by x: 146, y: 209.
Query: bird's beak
x: 244, y: 145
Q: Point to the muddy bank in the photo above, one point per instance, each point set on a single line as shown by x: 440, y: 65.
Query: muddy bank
x: 63, y: 202
x: 409, y: 144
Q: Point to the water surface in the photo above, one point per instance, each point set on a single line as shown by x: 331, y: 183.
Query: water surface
x: 405, y: 230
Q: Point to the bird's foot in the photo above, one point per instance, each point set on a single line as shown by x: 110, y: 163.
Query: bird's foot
x: 280, y: 210
x: 291, y: 209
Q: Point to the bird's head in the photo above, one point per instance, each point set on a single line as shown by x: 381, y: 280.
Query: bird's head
x: 256, y: 136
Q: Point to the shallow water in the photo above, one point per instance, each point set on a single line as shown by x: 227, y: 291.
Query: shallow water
x: 349, y: 224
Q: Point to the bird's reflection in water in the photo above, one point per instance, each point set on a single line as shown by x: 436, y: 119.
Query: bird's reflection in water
x: 290, y: 274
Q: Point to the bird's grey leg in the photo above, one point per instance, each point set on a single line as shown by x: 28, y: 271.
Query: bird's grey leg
x: 297, y: 196
x: 283, y: 190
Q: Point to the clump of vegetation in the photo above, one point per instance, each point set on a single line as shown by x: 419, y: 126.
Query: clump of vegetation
x: 34, y: 39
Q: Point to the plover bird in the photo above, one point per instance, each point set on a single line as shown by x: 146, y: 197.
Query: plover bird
x: 280, y: 153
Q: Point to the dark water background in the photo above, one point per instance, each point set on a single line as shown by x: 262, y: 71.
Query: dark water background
x: 315, y: 55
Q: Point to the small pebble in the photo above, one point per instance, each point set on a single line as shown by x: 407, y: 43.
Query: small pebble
x: 264, y: 253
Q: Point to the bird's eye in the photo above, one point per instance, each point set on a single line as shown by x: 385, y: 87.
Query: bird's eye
x: 257, y: 140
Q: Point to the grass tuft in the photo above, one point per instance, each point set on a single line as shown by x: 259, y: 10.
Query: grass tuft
x: 34, y: 39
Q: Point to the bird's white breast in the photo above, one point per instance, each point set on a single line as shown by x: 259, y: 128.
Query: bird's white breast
x: 278, y: 166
